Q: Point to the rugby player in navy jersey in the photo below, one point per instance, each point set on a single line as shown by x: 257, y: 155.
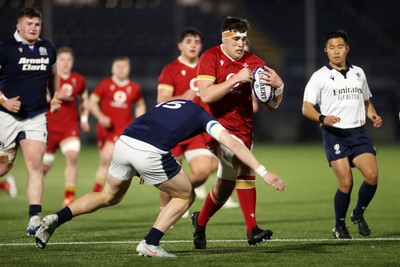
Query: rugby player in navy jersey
x: 26, y: 69
x: 144, y: 150
x: 342, y: 93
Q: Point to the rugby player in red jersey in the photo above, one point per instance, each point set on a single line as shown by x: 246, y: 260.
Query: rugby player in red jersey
x: 63, y: 126
x: 224, y: 79
x: 178, y: 80
x: 111, y: 104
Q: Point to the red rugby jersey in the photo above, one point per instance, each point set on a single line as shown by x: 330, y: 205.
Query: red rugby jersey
x: 116, y: 101
x: 68, y: 115
x: 234, y: 111
x: 179, y: 76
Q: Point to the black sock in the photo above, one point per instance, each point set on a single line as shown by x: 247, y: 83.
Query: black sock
x: 34, y: 210
x: 153, y: 237
x: 341, y: 204
x: 64, y: 215
x: 365, y: 195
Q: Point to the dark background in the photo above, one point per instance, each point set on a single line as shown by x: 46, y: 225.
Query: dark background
x: 287, y: 34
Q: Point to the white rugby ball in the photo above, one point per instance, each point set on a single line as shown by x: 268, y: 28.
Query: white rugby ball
x: 263, y: 93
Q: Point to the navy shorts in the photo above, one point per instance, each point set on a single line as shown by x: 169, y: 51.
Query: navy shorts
x: 341, y: 143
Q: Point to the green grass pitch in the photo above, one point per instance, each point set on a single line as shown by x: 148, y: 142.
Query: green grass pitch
x: 301, y: 218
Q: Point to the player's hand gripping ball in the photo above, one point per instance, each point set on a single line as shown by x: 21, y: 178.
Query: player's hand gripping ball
x: 263, y: 93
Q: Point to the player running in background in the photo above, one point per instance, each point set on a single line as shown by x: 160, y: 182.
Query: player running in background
x: 341, y: 91
x: 27, y: 67
x: 63, y: 127
x: 144, y: 150
x: 224, y: 80
x: 111, y: 104
x: 178, y: 81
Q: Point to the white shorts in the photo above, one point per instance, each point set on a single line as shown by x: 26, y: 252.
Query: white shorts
x: 190, y: 154
x: 225, y: 166
x: 13, y: 129
x: 134, y: 157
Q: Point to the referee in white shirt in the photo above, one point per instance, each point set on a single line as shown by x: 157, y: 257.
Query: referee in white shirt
x: 341, y: 91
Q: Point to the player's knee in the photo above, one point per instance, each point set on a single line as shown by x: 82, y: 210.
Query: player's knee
x: 199, y: 177
x: 6, y: 162
x: 72, y: 159
x: 346, y: 186
x: 111, y: 200
x: 371, y: 177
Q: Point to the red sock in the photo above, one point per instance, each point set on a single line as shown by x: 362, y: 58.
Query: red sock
x: 210, y: 207
x: 69, y: 192
x: 98, y: 184
x: 3, y: 185
x: 97, y: 187
x: 246, y: 191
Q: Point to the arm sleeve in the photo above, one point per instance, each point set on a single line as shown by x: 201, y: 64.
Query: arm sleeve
x: 366, y: 92
x: 312, y: 92
x: 207, y: 69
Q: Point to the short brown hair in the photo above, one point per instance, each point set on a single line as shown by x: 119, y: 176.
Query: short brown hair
x: 121, y: 58
x: 235, y: 24
x: 65, y: 49
x: 29, y: 12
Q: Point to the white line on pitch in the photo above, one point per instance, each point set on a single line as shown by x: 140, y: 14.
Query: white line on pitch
x: 210, y: 241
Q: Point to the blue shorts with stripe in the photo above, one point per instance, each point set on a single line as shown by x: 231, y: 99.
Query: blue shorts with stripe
x: 341, y: 143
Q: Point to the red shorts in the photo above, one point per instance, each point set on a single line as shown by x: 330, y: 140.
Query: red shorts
x: 56, y: 136
x: 187, y: 145
x: 104, y: 135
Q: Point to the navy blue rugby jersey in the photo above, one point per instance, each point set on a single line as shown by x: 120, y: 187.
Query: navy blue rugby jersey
x: 24, y: 72
x: 169, y: 123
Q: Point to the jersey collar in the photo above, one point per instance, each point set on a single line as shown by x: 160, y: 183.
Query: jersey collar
x: 19, y: 39
x: 190, y: 65
x: 343, y: 72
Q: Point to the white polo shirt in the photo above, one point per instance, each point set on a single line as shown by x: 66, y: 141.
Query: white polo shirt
x: 340, y: 93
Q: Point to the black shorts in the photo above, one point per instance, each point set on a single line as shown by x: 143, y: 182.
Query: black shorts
x: 341, y: 143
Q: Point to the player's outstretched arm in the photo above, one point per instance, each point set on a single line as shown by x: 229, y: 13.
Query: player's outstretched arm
x: 246, y: 156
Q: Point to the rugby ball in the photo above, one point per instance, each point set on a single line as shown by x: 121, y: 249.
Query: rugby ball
x: 263, y: 93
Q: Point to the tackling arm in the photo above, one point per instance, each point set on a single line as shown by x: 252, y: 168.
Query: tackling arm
x: 245, y: 155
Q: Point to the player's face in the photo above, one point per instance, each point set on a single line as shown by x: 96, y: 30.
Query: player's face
x: 65, y: 61
x: 235, y: 46
x: 29, y: 29
x: 121, y: 70
x: 190, y: 47
x: 337, y: 50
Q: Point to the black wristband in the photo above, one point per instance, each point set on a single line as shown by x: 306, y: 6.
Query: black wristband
x: 321, y: 118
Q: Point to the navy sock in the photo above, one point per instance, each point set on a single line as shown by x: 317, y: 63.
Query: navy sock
x: 341, y: 204
x: 365, y: 195
x: 34, y: 210
x: 153, y: 237
x: 64, y: 215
